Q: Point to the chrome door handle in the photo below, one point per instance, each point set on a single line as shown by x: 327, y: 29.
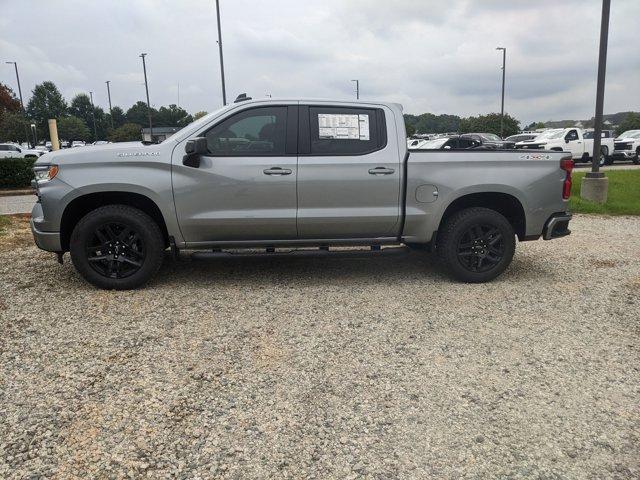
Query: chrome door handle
x: 381, y: 171
x: 277, y: 171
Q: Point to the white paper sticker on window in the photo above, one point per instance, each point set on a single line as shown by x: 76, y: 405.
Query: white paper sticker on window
x: 343, y: 126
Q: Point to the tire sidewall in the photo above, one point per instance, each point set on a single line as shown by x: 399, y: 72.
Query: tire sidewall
x: 141, y: 223
x: 461, y: 225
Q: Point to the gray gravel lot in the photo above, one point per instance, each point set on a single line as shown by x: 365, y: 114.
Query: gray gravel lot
x: 316, y: 368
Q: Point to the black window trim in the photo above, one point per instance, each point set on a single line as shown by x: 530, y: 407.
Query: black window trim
x: 304, y: 130
x: 290, y: 126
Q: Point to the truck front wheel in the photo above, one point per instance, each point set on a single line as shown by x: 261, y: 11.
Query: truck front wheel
x: 476, y: 244
x: 117, y: 247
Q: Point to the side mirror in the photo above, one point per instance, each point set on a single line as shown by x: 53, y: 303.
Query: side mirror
x: 193, y: 149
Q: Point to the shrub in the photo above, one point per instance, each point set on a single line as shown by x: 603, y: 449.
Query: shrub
x: 16, y: 172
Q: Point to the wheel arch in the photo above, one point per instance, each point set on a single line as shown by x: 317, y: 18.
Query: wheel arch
x: 504, y: 203
x: 80, y: 206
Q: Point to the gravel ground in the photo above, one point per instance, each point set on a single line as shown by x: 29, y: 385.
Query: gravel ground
x: 316, y: 368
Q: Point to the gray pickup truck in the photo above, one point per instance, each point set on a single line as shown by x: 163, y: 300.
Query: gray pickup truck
x: 295, y: 174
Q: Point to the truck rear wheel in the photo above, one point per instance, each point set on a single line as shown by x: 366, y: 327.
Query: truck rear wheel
x: 117, y: 247
x: 476, y: 244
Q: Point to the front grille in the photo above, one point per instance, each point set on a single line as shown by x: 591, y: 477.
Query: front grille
x: 622, y: 146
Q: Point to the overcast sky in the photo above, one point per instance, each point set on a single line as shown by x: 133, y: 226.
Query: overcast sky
x: 431, y: 56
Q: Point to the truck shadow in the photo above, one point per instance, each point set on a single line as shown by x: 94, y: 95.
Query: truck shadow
x: 297, y: 271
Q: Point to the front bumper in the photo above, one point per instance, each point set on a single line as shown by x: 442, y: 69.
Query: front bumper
x: 623, y: 154
x: 557, y: 226
x: 49, y: 241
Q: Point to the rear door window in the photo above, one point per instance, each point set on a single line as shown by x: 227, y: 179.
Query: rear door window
x: 346, y: 131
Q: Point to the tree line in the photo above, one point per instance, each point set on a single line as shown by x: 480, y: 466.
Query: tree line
x: 75, y: 119
x: 431, y: 123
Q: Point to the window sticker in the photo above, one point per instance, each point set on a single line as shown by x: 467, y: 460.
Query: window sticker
x: 343, y: 126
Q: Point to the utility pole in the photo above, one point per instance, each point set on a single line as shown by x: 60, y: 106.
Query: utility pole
x: 504, y: 62
x: 357, y: 89
x: 109, y: 95
x: 594, y: 184
x: 224, y: 91
x: 26, y: 128
x: 146, y: 87
x: 93, y: 116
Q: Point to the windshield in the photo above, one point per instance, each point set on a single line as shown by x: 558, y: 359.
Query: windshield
x: 549, y: 134
x: 630, y: 134
x: 491, y: 137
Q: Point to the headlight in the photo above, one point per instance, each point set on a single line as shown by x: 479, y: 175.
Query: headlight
x: 44, y: 173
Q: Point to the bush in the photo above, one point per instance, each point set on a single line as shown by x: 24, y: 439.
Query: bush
x: 16, y: 172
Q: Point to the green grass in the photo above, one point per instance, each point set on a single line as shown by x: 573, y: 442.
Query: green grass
x: 623, y: 199
x: 4, y: 222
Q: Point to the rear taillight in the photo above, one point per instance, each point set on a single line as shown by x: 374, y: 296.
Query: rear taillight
x: 566, y: 164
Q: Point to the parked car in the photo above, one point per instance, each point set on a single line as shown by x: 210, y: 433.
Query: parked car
x: 627, y: 147
x: 456, y: 142
x: 568, y: 140
x: 521, y: 137
x: 310, y: 174
x: 77, y: 143
x: 488, y: 140
x: 11, y: 150
x: 100, y: 142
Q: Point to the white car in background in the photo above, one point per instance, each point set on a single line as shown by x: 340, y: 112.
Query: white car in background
x: 77, y: 143
x: 11, y: 150
x: 627, y: 146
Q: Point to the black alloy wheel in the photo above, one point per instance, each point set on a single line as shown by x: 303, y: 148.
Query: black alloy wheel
x: 117, y: 247
x: 115, y: 250
x: 481, y: 247
x: 476, y: 244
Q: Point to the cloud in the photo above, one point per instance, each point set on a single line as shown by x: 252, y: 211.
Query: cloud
x: 427, y: 56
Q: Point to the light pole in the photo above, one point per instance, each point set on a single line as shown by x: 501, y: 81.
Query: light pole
x: 146, y: 87
x: 93, y: 116
x: 224, y: 92
x: 109, y: 96
x: 26, y: 129
x: 357, y: 89
x: 504, y: 62
x: 594, y: 184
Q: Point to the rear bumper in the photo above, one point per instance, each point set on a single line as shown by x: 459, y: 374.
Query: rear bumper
x: 557, y: 226
x: 49, y: 241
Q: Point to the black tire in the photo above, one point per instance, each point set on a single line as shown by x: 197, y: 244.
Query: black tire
x: 474, y: 261
x: 636, y: 159
x: 604, y: 152
x: 117, y: 247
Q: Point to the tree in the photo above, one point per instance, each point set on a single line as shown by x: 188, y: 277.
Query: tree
x: 13, y: 127
x: 173, y: 116
x: 631, y: 122
x: 73, y: 128
x: 80, y: 107
x: 128, y: 132
x: 198, y: 115
x: 409, y: 128
x: 8, y: 100
x: 119, y: 118
x: 489, y: 124
x: 46, y: 102
x: 534, y: 126
x: 430, y: 123
x: 138, y: 113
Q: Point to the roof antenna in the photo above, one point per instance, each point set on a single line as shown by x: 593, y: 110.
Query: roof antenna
x: 241, y: 98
